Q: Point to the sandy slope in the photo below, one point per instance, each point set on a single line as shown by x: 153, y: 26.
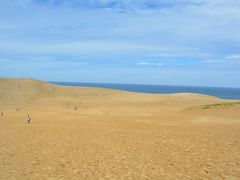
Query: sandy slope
x: 114, y: 134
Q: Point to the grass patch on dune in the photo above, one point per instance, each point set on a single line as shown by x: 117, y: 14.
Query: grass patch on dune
x: 216, y: 105
x: 222, y: 104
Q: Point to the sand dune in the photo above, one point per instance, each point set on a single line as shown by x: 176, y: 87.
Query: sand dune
x: 94, y: 133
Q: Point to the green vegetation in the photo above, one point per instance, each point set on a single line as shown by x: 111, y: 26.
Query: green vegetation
x: 220, y: 105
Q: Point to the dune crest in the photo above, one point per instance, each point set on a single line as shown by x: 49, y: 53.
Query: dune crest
x: 13, y: 90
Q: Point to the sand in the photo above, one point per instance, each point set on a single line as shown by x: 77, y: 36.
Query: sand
x: 92, y: 133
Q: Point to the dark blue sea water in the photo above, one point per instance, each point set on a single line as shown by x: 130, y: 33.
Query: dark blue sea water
x: 225, y: 93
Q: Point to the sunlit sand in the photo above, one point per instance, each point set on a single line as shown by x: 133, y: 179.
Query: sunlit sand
x: 93, y: 133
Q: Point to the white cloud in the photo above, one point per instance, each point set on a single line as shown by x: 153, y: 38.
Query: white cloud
x: 233, y: 57
x: 144, y: 63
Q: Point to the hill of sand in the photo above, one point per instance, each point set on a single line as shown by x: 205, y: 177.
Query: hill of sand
x: 94, y: 133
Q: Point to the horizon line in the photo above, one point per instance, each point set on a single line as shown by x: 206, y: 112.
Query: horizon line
x: 115, y: 83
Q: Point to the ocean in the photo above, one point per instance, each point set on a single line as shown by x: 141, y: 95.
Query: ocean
x: 221, y: 92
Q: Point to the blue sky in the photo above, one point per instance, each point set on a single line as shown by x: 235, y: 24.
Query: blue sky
x: 172, y: 42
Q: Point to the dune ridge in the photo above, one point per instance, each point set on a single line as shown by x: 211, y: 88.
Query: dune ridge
x: 13, y: 90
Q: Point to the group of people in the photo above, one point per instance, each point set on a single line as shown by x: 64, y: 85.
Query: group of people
x: 29, y: 119
x: 18, y: 109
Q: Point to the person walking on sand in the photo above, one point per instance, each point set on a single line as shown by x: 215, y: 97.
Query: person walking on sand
x: 29, y: 119
x: 1, y: 113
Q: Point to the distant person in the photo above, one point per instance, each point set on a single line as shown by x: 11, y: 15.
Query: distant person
x: 29, y: 119
x: 1, y: 113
